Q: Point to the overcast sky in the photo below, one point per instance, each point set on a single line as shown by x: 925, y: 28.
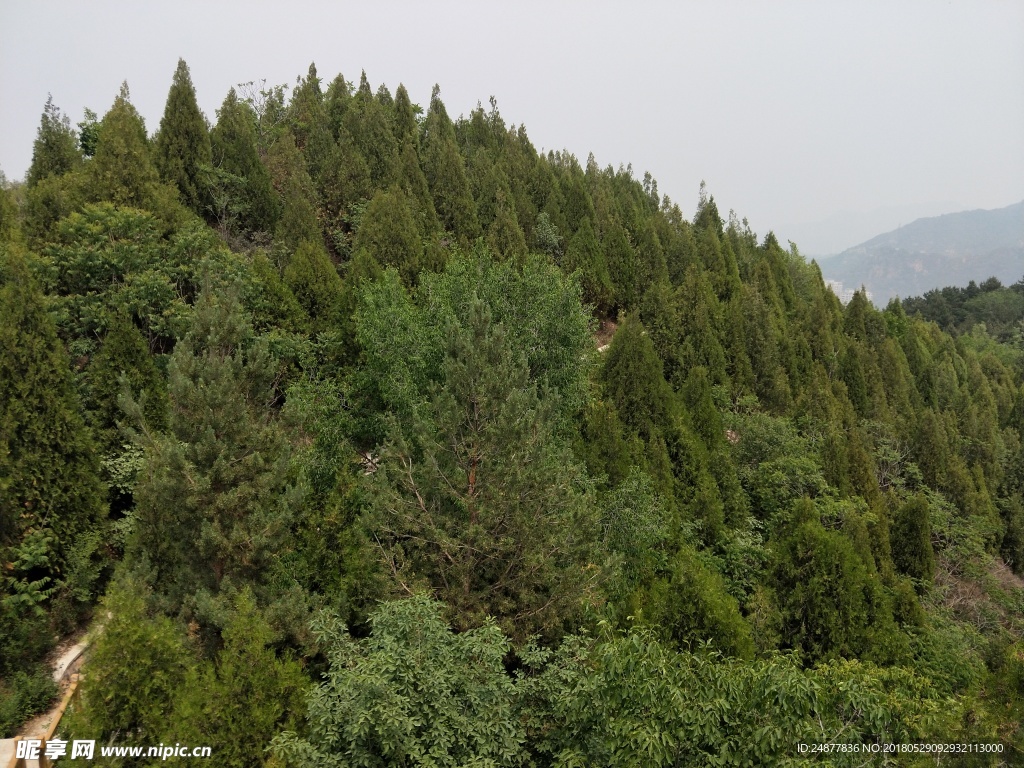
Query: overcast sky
x: 828, y: 122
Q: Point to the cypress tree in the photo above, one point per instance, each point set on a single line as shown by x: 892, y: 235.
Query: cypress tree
x: 123, y: 361
x: 49, y: 481
x: 311, y: 124
x: 633, y: 380
x: 242, y: 697
x: 121, y: 170
x: 298, y: 221
x: 55, y: 151
x: 584, y: 253
x: 692, y: 606
x: 314, y: 281
x: 622, y: 266
x: 388, y: 232
x: 446, y: 173
x: 182, y: 149
x: 344, y: 183
x: 912, y: 552
x: 245, y: 193
x: 370, y: 127
x: 505, y: 237
x: 406, y: 126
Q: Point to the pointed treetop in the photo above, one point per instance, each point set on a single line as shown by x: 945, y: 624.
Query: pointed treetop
x: 364, y: 85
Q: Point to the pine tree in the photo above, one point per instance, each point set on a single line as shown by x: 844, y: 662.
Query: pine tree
x: 55, y: 151
x: 480, y: 501
x: 216, y: 496
x: 182, y: 149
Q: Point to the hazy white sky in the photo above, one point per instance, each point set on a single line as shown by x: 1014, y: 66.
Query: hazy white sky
x: 801, y: 116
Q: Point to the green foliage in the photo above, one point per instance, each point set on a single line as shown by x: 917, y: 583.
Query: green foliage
x: 412, y: 694
x: 55, y: 151
x: 388, y: 233
x: 911, y: 536
x: 182, y: 146
x: 241, y: 193
x: 216, y: 495
x: 24, y: 694
x: 831, y: 602
x: 445, y: 172
x: 137, y: 664
x: 122, y: 171
x: 691, y: 607
x: 403, y: 341
x: 480, y: 500
x: 108, y: 260
x: 584, y: 253
x: 50, y: 493
x: 238, y: 701
x: 314, y: 282
x: 298, y: 221
x: 629, y: 700
x: 123, y: 361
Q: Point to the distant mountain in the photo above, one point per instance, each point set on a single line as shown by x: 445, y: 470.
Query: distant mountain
x: 935, y: 252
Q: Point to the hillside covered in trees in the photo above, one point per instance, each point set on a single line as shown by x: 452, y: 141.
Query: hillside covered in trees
x: 380, y: 438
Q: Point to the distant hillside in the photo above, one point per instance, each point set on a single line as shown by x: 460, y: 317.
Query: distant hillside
x: 931, y: 253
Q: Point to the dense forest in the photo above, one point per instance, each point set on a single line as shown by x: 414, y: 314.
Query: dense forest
x: 366, y: 437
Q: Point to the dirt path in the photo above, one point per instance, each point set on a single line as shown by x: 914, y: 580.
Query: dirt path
x: 65, y: 661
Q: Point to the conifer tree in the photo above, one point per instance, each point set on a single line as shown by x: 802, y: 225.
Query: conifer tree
x: 311, y: 124
x: 123, y: 360
x: 692, y: 606
x: 344, y: 184
x: 243, y: 697
x: 388, y: 232
x: 49, y: 483
x: 406, y: 126
x: 480, y: 501
x: 298, y: 220
x: 584, y: 253
x: 315, y: 283
x: 368, y: 123
x: 633, y: 379
x: 242, y: 189
x: 182, y: 148
x: 912, y: 551
x: 55, y: 151
x: 216, y: 496
x: 446, y: 173
x: 122, y: 170
x: 622, y: 266
x: 823, y: 586
x: 505, y: 237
